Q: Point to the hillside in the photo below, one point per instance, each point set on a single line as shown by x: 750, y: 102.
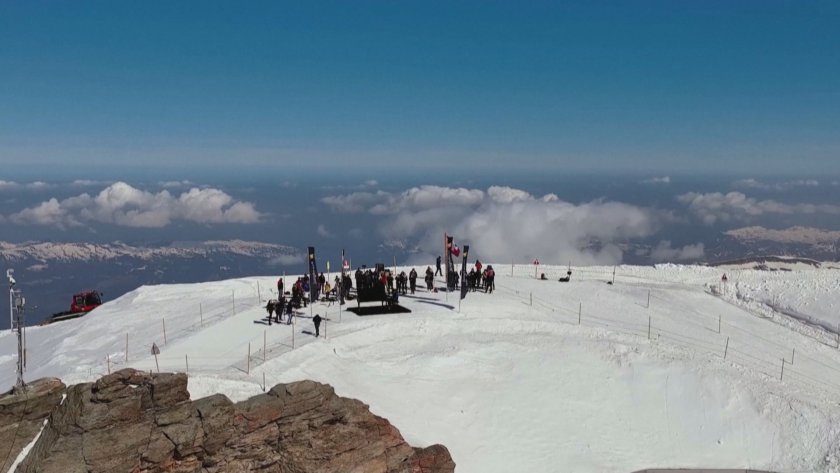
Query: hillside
x: 541, y: 376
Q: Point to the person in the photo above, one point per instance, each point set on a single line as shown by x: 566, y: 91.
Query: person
x: 317, y: 321
x: 489, y: 279
x: 412, y: 279
x: 270, y: 308
x: 478, y: 266
x: 279, y: 307
x: 438, y: 271
x: 430, y: 279
x: 290, y: 311
x: 542, y: 277
x: 280, y: 286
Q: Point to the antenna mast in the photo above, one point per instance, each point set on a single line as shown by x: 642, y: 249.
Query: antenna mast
x: 17, y: 305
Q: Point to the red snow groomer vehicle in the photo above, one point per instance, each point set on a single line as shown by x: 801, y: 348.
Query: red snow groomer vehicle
x: 81, y: 304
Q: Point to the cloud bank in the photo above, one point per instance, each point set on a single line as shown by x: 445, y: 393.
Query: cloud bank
x: 122, y: 204
x: 658, y: 180
x: 715, y: 207
x: 503, y: 223
x: 752, y: 183
x: 664, y: 252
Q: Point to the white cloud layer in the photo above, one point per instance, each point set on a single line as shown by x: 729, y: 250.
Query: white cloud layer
x: 664, y: 252
x: 657, y: 180
x: 12, y: 185
x: 122, y: 204
x: 503, y: 223
x: 752, y: 183
x: 717, y: 207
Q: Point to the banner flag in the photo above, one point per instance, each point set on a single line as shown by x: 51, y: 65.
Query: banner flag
x: 313, y: 276
x: 464, y: 283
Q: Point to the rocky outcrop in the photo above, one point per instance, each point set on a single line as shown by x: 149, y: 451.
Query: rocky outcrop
x: 136, y: 422
x: 22, y: 415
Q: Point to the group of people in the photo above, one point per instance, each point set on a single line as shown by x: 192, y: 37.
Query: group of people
x: 481, y: 279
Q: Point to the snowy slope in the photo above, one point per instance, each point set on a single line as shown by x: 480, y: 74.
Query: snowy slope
x: 540, y: 376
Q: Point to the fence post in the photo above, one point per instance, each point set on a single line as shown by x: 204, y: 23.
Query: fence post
x: 719, y: 317
x: 164, y: 330
x: 793, y: 355
x: 156, y: 363
x: 782, y: 376
x: 187, y: 360
x: 580, y: 309
x: 531, y: 297
x: 648, y: 303
x: 726, y: 349
x: 263, y: 381
x: 248, y: 368
x: 126, y: 347
x: 649, y: 323
x: 108, y: 362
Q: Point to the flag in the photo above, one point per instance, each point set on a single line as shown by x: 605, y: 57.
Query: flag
x: 464, y: 285
x: 313, y: 276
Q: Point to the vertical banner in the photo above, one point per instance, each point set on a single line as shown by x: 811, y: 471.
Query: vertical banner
x: 449, y: 264
x: 313, y: 276
x: 464, y: 282
x: 340, y: 287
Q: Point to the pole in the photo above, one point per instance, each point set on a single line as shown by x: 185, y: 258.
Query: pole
x: 580, y: 309
x: 726, y: 349
x: 531, y: 298
x: 613, y: 279
x: 187, y: 361
x: 164, y: 330
x: 108, y: 361
x: 719, y: 317
x: 649, y: 324
x: 648, y: 302
x: 156, y: 363
x: 126, y: 348
x: 233, y: 301
x: 793, y: 355
x: 782, y: 375
x: 259, y: 296
x: 263, y: 381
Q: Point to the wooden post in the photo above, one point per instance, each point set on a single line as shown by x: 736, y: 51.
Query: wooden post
x: 782, y: 375
x: 249, y: 359
x: 793, y: 355
x: 726, y: 349
x: 531, y: 297
x: 108, y: 362
x: 649, y: 323
x: 719, y: 317
x: 126, y: 348
x: 580, y: 309
x: 187, y: 361
x: 648, y: 303
x: 164, y: 330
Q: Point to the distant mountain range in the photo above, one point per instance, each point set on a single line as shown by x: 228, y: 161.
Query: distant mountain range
x: 802, y: 242
x: 49, y: 273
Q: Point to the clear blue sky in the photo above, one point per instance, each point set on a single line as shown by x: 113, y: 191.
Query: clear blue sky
x: 747, y: 86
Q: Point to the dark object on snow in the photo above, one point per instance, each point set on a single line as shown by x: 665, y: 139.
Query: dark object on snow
x: 317, y: 321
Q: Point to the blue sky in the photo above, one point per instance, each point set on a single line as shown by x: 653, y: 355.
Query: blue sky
x: 669, y: 86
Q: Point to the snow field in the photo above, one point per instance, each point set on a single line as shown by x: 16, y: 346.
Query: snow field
x: 510, y: 381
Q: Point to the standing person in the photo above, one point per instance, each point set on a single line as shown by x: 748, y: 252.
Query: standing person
x: 430, y: 279
x: 279, y: 287
x: 279, y: 307
x: 412, y: 279
x: 317, y: 321
x: 438, y: 271
x: 290, y: 311
x: 269, y: 307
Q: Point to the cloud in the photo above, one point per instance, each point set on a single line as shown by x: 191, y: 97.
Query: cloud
x: 664, y: 252
x: 657, y: 180
x: 171, y: 184
x: 124, y: 205
x: 36, y: 185
x: 717, y: 207
x: 287, y: 260
x: 6, y: 185
x: 89, y: 183
x: 323, y: 232
x: 752, y: 183
x: 503, y: 223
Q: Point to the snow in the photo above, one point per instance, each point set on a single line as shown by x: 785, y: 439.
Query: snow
x: 512, y: 381
x: 25, y: 451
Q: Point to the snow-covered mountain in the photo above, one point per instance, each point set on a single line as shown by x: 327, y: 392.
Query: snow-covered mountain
x: 665, y: 368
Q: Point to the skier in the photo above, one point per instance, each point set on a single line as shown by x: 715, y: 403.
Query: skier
x: 280, y: 286
x: 438, y: 271
x: 412, y: 279
x: 317, y: 321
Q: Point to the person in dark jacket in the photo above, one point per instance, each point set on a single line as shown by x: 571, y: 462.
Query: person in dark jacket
x: 270, y: 308
x: 317, y: 321
x: 438, y: 271
x: 412, y: 280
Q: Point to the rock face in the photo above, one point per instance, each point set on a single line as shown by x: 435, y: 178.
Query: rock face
x: 136, y: 422
x: 22, y: 415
